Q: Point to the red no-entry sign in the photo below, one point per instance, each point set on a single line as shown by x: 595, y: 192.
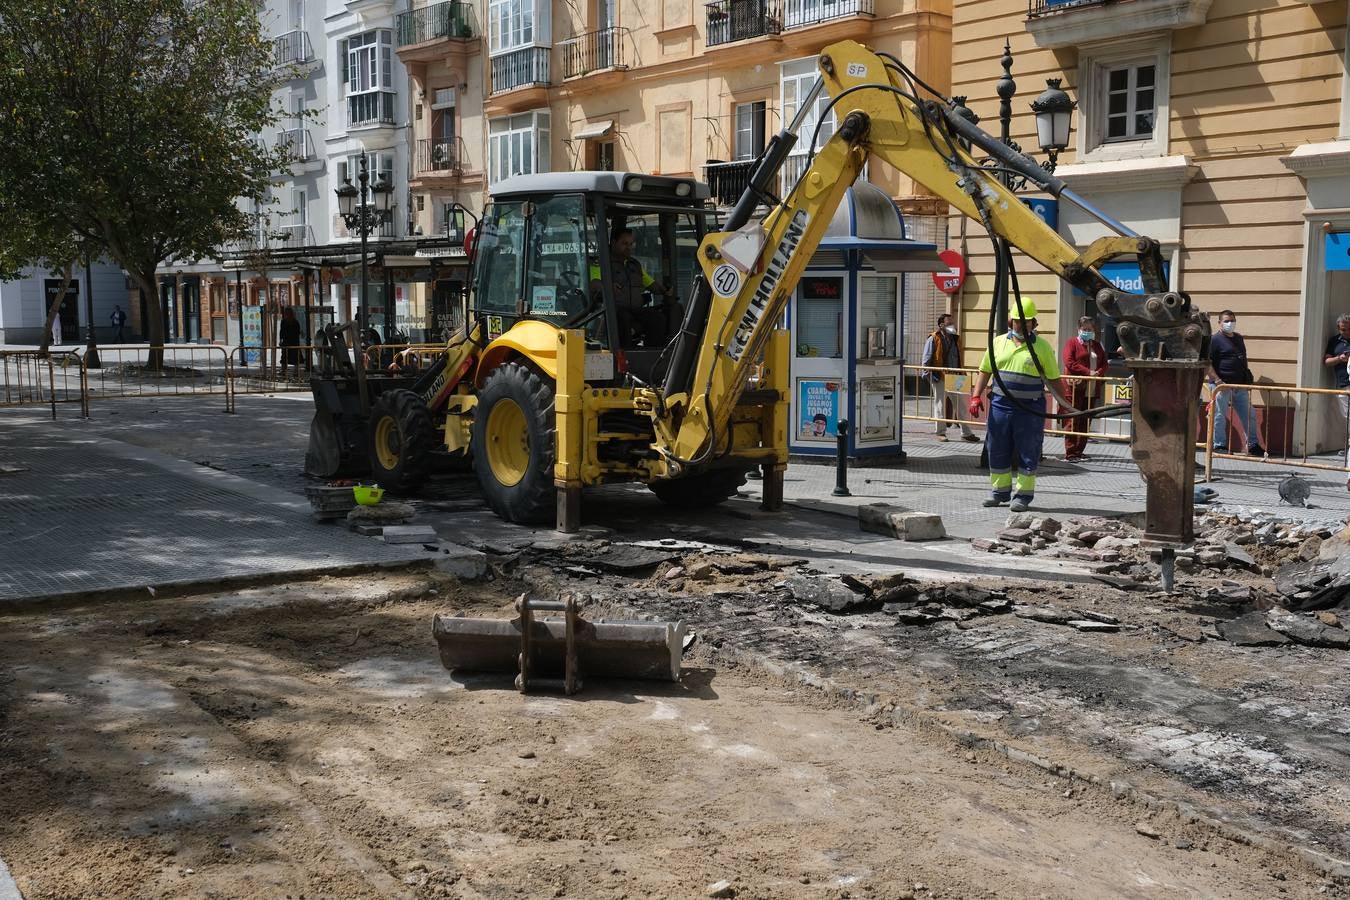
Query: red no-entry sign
x: 949, y: 282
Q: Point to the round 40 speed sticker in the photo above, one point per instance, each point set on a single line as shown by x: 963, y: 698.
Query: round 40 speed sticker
x: 726, y: 281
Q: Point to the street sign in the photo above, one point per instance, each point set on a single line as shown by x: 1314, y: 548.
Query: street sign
x: 950, y: 281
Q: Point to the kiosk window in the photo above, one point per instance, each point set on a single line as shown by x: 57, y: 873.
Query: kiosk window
x: 820, y: 313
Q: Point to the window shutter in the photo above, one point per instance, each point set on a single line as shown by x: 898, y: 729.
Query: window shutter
x: 342, y: 52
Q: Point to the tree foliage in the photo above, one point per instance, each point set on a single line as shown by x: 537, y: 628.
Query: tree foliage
x: 130, y: 127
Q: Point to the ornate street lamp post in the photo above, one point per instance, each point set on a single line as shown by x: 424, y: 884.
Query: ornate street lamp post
x: 1054, y: 115
x: 364, y: 217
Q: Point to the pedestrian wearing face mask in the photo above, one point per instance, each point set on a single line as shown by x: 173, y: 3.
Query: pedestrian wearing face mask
x: 1016, y: 418
x: 1228, y: 365
x: 1083, y: 355
x: 942, y: 354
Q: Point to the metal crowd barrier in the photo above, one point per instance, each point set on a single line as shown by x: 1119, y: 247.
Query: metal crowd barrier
x: 30, y: 378
x: 277, y: 370
x: 174, y: 370
x: 1106, y: 392
x: 1280, y: 422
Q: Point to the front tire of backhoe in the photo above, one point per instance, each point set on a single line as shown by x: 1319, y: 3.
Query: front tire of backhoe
x: 704, y: 489
x: 401, y: 438
x: 513, y: 444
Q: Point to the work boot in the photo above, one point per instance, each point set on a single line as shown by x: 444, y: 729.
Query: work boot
x: 1020, y: 504
x: 995, y: 500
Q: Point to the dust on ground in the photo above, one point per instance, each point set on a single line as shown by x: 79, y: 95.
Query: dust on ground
x: 303, y: 740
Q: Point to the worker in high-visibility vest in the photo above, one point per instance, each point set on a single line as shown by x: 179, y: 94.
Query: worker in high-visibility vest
x: 1016, y: 410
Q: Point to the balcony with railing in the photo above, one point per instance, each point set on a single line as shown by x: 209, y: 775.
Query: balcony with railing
x: 1073, y: 23
x: 449, y: 21
x: 293, y: 49
x: 800, y: 13
x: 371, y: 109
x: 594, y: 51
x: 728, y: 180
x: 292, y: 236
x: 439, y: 156
x: 297, y: 144
x: 741, y: 20
x: 525, y: 67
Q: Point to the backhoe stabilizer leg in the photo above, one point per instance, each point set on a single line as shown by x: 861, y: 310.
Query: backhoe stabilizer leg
x: 771, y: 500
x: 1166, y: 401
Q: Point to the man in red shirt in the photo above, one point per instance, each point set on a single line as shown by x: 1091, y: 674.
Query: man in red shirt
x: 1083, y: 355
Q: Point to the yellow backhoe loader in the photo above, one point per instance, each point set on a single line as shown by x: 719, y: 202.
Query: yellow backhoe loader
x: 614, y: 325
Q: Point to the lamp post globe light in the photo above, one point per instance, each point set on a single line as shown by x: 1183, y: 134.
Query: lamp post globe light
x: 1054, y: 113
x: 363, y: 210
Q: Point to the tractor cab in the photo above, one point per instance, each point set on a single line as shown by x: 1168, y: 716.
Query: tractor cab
x: 609, y: 253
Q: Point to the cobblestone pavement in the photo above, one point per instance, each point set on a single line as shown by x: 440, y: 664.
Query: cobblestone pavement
x: 91, y: 513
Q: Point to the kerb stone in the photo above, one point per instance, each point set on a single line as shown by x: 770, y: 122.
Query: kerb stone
x: 900, y: 523
x: 410, y: 534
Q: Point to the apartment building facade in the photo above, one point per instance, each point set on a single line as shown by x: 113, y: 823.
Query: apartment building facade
x: 1220, y: 127
x: 345, y: 93
x: 691, y: 89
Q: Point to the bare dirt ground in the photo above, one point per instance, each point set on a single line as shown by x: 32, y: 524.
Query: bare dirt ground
x: 303, y: 741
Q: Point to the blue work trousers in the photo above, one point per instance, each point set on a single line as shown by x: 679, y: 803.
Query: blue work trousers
x: 1011, y: 427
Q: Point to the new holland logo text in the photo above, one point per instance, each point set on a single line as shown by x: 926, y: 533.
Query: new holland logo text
x: 740, y: 341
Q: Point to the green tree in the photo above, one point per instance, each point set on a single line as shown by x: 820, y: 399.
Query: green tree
x: 131, y: 128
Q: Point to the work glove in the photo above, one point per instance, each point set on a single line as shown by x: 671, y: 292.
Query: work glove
x: 976, y: 406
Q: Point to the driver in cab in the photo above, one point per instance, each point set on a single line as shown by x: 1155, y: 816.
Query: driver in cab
x: 629, y: 280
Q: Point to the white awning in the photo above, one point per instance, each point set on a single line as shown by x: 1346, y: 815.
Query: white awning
x: 592, y: 130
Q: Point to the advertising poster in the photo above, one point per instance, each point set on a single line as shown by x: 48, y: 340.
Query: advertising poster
x: 252, y: 332
x: 817, y: 410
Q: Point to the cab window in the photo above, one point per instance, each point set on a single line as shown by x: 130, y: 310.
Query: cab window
x: 556, y: 280
x: 501, y: 242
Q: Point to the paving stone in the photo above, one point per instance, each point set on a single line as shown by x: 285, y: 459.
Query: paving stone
x: 1015, y: 535
x: 1307, y: 630
x: 1239, y: 557
x: 1250, y: 631
x: 409, y: 534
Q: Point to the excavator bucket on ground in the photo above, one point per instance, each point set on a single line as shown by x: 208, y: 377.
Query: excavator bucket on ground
x: 552, y: 653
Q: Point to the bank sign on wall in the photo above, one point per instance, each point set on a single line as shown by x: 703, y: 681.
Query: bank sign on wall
x: 1338, y: 251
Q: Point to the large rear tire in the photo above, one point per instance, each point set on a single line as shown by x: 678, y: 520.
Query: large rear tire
x: 704, y: 489
x: 513, y: 444
x: 401, y: 438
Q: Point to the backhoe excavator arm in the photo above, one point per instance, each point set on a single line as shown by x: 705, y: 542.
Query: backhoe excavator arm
x: 750, y: 270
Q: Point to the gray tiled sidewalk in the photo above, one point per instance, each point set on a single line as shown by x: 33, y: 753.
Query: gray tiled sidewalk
x: 91, y: 514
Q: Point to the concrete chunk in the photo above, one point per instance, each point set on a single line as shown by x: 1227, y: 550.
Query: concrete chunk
x: 898, y: 522
x: 410, y: 534
x: 461, y: 562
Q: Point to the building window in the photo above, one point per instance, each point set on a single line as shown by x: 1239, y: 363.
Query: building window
x: 518, y: 145
x: 510, y: 24
x: 1129, y: 102
x: 1123, y: 98
x: 798, y: 77
x: 368, y: 75
x: 749, y: 141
